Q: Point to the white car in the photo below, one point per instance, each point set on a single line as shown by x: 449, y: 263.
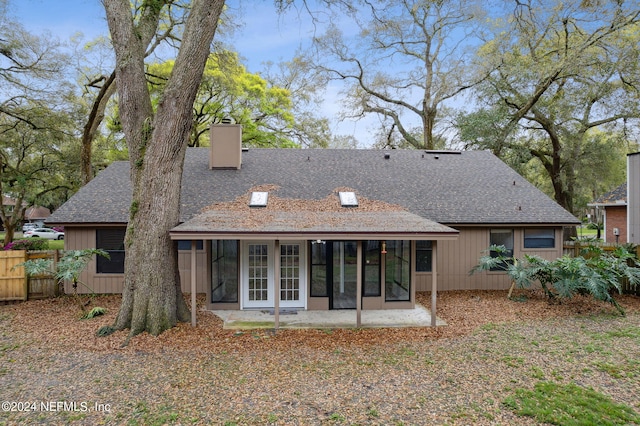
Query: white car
x: 29, y: 226
x: 47, y: 233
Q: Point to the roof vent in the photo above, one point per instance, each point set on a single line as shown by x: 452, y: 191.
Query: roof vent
x: 387, y: 156
x: 348, y: 199
x: 258, y: 199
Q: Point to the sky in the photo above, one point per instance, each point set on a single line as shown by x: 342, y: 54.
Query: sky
x: 264, y: 36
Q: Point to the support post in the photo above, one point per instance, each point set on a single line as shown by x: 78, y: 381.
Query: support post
x: 359, y: 284
x: 434, y: 281
x: 276, y: 285
x: 193, y: 282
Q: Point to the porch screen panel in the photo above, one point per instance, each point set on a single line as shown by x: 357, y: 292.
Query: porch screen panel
x: 371, y: 266
x: 397, y: 271
x: 224, y: 271
x: 290, y: 272
x: 258, y: 272
x: 319, y: 269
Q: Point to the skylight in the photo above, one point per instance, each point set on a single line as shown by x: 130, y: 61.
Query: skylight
x: 348, y: 199
x: 258, y: 199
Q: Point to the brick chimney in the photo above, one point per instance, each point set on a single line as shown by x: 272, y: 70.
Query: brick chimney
x: 226, y: 146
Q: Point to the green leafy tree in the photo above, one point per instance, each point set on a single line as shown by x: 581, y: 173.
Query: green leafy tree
x: 560, y: 76
x: 38, y: 160
x: 227, y: 90
x: 34, y: 122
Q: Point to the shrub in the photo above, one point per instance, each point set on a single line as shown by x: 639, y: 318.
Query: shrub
x: 596, y: 273
x: 31, y: 244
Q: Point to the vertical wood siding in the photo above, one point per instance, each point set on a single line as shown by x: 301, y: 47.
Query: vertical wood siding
x: 77, y: 238
x: 633, y: 198
x: 457, y: 258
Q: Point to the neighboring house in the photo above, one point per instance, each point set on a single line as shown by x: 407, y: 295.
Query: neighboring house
x: 325, y: 229
x: 633, y: 180
x: 611, y: 208
x: 35, y: 214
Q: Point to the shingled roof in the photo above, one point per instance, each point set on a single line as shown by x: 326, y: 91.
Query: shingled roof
x: 452, y: 188
x: 617, y: 197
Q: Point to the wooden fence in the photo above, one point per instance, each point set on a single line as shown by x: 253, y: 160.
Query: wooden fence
x: 13, y: 280
x: 15, y: 285
x: 575, y: 248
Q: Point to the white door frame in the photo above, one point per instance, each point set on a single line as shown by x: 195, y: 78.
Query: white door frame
x: 245, y: 303
x: 244, y: 276
x: 302, y: 276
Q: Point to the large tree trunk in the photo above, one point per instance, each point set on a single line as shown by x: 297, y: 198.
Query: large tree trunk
x: 151, y: 299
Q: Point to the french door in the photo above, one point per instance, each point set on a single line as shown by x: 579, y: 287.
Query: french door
x: 258, y: 267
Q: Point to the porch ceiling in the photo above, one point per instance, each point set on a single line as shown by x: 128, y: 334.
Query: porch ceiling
x: 350, y: 224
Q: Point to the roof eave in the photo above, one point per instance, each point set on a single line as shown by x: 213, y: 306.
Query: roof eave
x: 314, y: 235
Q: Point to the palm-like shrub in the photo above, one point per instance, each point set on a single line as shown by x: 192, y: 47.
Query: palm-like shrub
x: 596, y: 272
x: 68, y: 268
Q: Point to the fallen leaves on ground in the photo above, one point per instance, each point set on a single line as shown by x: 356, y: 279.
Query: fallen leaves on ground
x: 56, y: 322
x: 455, y: 374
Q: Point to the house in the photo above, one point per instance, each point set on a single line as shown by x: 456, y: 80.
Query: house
x: 612, y: 208
x: 33, y: 214
x: 633, y: 188
x: 323, y: 229
x: 620, y: 208
x: 37, y: 215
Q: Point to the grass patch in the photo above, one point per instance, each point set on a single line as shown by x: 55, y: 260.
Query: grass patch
x: 56, y: 244
x: 569, y: 404
x: 628, y: 369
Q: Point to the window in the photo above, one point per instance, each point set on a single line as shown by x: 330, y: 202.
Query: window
x: 224, y: 271
x: 424, y: 253
x: 501, y: 237
x: 186, y: 245
x: 112, y: 241
x: 371, y: 266
x: 397, y: 277
x: 539, y: 238
x: 319, y: 269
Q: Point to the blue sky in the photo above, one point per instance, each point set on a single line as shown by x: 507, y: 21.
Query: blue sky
x: 264, y: 36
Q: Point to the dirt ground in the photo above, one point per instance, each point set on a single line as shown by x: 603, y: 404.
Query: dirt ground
x: 456, y: 374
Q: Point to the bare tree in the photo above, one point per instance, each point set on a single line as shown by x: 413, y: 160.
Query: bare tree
x: 407, y: 60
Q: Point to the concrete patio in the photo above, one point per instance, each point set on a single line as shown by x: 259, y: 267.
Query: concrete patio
x: 252, y: 319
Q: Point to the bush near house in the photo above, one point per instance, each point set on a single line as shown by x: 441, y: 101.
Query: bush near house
x: 31, y: 244
x: 596, y: 272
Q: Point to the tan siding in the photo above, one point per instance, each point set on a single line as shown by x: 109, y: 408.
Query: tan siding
x: 457, y: 258
x: 184, y: 265
x: 78, y: 238
x: 633, y: 198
